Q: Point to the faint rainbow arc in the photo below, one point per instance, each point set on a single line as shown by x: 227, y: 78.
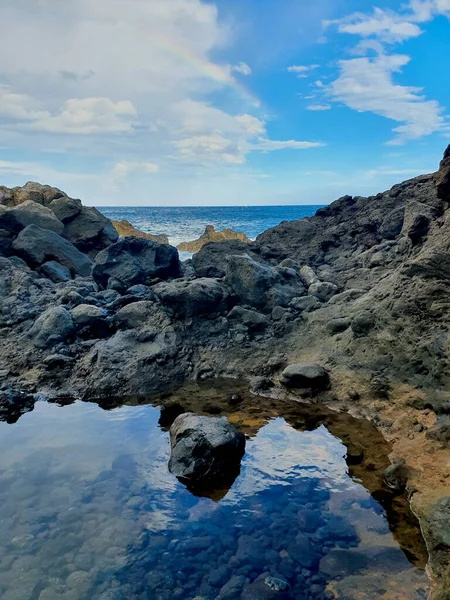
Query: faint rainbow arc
x: 207, y: 68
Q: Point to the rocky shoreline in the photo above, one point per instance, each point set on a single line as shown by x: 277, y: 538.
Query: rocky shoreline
x: 348, y: 308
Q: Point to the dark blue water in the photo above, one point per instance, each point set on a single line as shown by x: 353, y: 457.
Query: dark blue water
x: 184, y: 224
x: 89, y: 511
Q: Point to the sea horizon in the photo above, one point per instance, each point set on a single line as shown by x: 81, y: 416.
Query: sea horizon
x: 182, y: 227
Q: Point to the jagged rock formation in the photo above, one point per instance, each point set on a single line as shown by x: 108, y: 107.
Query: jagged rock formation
x: 211, y: 235
x: 359, y: 292
x: 125, y: 228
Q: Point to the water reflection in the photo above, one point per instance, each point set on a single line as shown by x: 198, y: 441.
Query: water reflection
x: 90, y: 511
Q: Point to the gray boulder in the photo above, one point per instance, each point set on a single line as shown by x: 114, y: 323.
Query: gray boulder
x: 251, y: 319
x: 65, y: 209
x: 305, y: 304
x: 210, y: 260
x: 36, y: 192
x: 192, y: 298
x: 90, y: 321
x: 339, y: 325
x: 259, y: 285
x: 132, y: 261
x: 30, y: 213
x: 204, y: 450
x: 55, y: 271
x: 140, y: 314
x: 55, y: 325
x: 37, y: 246
x: 323, y: 290
x: 90, y: 231
x: 305, y: 376
x: 308, y: 275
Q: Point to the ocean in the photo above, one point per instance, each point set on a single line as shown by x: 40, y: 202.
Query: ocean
x: 184, y: 224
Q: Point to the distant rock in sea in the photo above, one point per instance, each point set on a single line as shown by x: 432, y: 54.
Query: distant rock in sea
x: 211, y: 235
x: 126, y: 228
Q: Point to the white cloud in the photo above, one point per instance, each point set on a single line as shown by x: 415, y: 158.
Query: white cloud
x: 122, y: 169
x: 366, y: 84
x: 302, y: 71
x: 242, y: 68
x: 268, y: 145
x: 388, y: 26
x: 318, y: 107
x: 77, y: 116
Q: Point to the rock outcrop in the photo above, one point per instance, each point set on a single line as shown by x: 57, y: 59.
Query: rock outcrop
x: 125, y: 228
x: 132, y: 261
x: 211, y: 235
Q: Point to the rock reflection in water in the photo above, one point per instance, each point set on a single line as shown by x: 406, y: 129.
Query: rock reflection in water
x: 89, y: 511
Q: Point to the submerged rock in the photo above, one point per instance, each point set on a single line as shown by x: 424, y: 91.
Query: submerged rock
x: 206, y: 452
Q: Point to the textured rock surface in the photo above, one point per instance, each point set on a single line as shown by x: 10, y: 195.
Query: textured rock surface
x: 132, y: 261
x: 125, y: 228
x: 38, y: 246
x: 204, y: 449
x: 211, y: 235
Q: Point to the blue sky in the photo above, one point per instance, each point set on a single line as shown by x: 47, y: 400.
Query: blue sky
x: 232, y: 102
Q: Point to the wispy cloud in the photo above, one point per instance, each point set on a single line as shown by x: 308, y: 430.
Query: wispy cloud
x: 367, y: 83
x: 318, y: 107
x: 302, y: 71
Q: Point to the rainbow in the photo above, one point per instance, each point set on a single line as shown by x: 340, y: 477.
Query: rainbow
x: 206, y: 68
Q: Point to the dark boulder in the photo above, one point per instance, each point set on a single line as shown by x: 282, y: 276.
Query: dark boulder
x: 192, y: 298
x: 90, y: 231
x: 210, y: 260
x: 65, y: 209
x: 305, y: 376
x: 336, y: 326
x: 53, y: 326
x: 29, y: 213
x: 37, y: 246
x: 90, y: 321
x: 14, y: 404
x: 205, y: 452
x: 260, y: 285
x: 55, y: 271
x: 251, y: 319
x: 132, y: 261
x: 6, y: 241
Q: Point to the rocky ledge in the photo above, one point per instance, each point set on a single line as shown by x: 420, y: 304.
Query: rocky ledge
x: 125, y: 228
x: 211, y: 235
x: 348, y: 308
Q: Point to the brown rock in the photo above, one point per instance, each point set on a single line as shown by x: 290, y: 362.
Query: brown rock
x: 211, y: 235
x: 126, y: 228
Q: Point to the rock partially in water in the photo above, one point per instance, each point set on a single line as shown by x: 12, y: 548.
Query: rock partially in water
x: 305, y: 376
x: 205, y: 452
x: 125, y: 228
x: 211, y: 235
x: 14, y: 404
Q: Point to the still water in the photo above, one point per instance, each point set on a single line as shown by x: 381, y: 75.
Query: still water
x: 89, y: 511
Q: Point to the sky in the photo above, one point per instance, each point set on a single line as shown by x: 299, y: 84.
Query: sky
x: 225, y: 102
